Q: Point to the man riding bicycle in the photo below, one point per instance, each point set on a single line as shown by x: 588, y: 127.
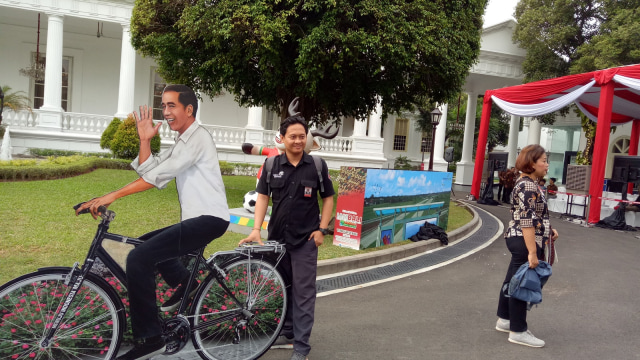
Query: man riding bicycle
x: 193, y: 162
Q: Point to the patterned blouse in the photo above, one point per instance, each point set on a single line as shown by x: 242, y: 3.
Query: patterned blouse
x: 529, y: 209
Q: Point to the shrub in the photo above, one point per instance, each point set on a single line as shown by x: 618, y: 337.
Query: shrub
x: 125, y: 143
x: 56, y: 168
x: 52, y: 152
x: 107, y: 134
x: 402, y: 163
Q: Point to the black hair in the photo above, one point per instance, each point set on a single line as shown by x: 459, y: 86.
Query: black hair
x: 553, y: 179
x: 284, y: 125
x: 186, y: 96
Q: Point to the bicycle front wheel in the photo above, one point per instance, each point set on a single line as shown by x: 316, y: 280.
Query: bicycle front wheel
x: 225, y: 331
x: 91, y: 328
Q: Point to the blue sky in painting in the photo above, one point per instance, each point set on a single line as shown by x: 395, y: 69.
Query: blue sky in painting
x: 382, y: 183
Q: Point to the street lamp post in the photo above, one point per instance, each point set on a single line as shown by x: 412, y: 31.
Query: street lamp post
x: 435, y: 120
x: 2, y: 107
x: 423, y: 144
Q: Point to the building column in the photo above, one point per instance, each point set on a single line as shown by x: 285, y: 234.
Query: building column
x: 441, y: 135
x: 254, y: 130
x: 51, y: 111
x: 127, y: 75
x: 512, y: 144
x: 360, y: 127
x: 464, y: 167
x: 375, y: 122
x: 371, y: 146
x: 535, y: 128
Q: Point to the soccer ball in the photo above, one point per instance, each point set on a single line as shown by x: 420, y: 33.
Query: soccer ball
x: 249, y: 202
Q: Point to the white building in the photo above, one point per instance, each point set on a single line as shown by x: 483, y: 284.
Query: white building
x: 98, y: 75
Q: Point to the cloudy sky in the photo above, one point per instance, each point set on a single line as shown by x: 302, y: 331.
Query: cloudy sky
x: 381, y: 182
x: 498, y: 11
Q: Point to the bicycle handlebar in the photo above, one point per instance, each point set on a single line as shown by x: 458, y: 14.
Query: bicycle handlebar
x: 106, y: 215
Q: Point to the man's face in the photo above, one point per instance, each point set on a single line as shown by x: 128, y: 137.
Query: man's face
x: 295, y: 139
x: 177, y: 115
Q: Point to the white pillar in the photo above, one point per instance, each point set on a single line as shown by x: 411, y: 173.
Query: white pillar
x: 441, y: 135
x: 360, y: 127
x: 464, y: 168
x: 535, y: 129
x: 51, y: 110
x: 254, y: 129
x: 375, y: 122
x: 513, y: 140
x: 127, y: 75
x: 372, y: 145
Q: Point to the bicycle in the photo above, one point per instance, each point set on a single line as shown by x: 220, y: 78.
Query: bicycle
x: 59, y: 313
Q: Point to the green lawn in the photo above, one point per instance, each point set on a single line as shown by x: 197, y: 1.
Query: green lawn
x: 38, y: 226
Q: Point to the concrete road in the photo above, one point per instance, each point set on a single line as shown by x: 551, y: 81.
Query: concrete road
x: 590, y: 308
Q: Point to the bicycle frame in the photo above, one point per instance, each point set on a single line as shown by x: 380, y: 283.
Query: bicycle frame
x: 77, y: 274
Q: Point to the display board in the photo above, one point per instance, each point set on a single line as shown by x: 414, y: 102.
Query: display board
x: 379, y: 206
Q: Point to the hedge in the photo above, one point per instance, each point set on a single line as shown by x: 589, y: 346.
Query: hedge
x: 56, y: 168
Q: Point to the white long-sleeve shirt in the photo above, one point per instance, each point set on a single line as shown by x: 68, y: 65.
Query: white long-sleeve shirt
x: 193, y: 162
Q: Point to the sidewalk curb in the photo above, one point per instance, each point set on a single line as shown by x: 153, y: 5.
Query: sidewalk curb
x: 332, y: 266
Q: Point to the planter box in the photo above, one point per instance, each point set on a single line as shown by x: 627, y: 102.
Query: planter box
x: 578, y: 177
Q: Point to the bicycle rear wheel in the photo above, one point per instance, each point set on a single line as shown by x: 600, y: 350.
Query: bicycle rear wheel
x: 91, y: 329
x: 229, y: 332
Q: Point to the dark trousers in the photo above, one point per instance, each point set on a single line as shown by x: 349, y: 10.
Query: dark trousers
x: 506, y: 195
x: 161, y: 249
x: 300, y: 267
x: 510, y: 308
x: 500, y: 188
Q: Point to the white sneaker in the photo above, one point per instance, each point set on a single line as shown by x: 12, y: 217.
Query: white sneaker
x: 525, y: 338
x: 503, y: 325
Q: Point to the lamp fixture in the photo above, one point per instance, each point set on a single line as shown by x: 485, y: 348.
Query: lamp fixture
x: 35, y: 70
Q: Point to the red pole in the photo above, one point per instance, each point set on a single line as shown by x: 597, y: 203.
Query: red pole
x: 633, y: 146
x: 482, y: 144
x: 600, y: 150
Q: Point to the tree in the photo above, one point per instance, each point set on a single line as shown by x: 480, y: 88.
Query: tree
x: 565, y: 37
x: 499, y: 124
x: 341, y: 57
x: 15, y: 100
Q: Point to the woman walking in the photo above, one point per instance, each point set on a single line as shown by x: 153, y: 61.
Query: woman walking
x: 526, y: 236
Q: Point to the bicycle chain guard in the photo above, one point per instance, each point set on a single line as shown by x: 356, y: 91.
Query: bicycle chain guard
x: 176, y: 334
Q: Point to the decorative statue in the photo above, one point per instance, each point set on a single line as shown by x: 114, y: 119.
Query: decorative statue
x: 312, y: 143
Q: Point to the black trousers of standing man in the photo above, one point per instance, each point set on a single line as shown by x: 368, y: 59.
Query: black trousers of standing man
x: 300, y: 266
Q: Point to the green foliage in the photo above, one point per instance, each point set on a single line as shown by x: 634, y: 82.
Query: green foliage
x: 576, y: 36
x: 52, y: 152
x: 226, y: 168
x: 126, y: 144
x: 403, y: 163
x: 109, y: 132
x: 340, y: 57
x: 616, y: 44
x: 15, y: 100
x: 56, y: 167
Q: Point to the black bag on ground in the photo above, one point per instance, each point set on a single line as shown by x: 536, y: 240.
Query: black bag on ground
x: 615, y: 221
x: 431, y: 231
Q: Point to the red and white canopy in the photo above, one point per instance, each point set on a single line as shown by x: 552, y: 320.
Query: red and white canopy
x: 610, y: 97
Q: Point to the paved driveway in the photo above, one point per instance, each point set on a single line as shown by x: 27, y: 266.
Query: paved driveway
x: 590, y: 308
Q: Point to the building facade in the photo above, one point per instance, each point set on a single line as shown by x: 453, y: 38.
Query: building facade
x: 93, y: 74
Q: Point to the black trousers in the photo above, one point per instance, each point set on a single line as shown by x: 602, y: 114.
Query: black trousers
x: 300, y: 267
x: 510, y: 308
x: 161, y: 249
x: 506, y: 195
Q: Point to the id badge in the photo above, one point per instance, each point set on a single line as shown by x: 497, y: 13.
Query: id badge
x: 307, y: 191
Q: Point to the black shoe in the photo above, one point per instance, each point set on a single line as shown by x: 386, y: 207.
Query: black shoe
x: 145, y: 349
x: 174, y: 300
